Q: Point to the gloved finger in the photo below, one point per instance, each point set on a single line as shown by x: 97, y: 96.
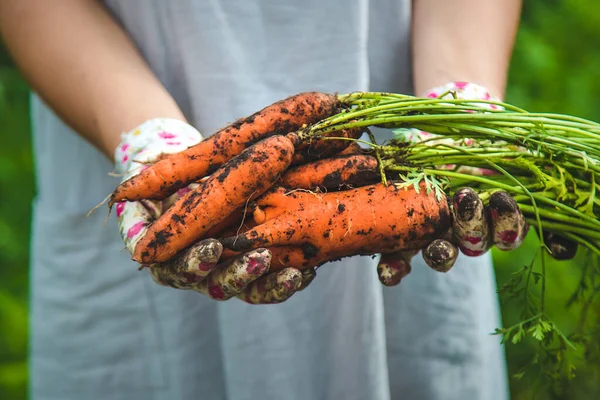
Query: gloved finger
x: 464, y: 90
x: 393, y: 267
x: 471, y: 227
x: 134, y: 219
x: 190, y: 267
x: 509, y: 227
x: 230, y: 279
x: 475, y: 171
x: 412, y: 135
x: 440, y: 255
x: 150, y: 140
x: 308, y: 275
x: 560, y: 248
x: 273, y: 288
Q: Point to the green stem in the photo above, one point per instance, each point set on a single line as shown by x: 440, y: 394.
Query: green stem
x: 378, y: 157
x: 468, y: 131
x: 349, y: 98
x: 562, y: 228
x: 550, y: 214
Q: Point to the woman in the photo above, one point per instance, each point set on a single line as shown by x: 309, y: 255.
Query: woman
x: 99, y: 329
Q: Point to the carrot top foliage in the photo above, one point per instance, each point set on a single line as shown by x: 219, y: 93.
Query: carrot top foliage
x: 548, y: 162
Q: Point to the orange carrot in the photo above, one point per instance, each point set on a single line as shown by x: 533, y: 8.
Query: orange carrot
x: 228, y: 225
x: 353, y: 148
x: 320, y: 147
x: 367, y: 220
x: 178, y: 170
x: 333, y: 173
x: 265, y: 206
x: 240, y: 180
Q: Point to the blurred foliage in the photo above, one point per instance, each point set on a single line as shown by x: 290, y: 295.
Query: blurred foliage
x: 16, y: 192
x: 555, y: 68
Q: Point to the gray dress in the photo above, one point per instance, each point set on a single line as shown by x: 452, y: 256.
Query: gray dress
x: 102, y: 330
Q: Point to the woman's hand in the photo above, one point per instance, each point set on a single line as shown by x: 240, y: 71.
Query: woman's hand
x: 197, y: 268
x: 475, y: 228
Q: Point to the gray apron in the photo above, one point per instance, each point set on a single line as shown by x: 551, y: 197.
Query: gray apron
x: 102, y: 330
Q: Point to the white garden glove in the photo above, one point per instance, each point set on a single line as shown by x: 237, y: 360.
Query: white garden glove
x: 475, y: 228
x: 196, y: 268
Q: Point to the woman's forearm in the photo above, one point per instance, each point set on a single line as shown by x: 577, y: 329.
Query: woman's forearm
x: 463, y: 40
x: 84, y: 66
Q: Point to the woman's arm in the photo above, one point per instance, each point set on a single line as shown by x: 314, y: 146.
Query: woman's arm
x: 463, y: 40
x: 84, y: 66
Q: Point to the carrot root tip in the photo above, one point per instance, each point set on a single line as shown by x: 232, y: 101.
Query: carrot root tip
x: 110, y: 204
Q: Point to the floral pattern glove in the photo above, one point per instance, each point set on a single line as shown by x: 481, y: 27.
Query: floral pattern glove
x: 197, y: 268
x: 476, y: 228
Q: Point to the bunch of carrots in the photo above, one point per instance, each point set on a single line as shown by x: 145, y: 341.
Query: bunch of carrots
x: 297, y: 179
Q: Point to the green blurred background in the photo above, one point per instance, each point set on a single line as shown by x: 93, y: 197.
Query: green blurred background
x: 555, y: 68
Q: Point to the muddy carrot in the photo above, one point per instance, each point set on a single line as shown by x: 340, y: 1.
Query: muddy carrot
x: 240, y: 180
x: 366, y: 220
x: 321, y: 147
x: 333, y: 173
x: 353, y: 148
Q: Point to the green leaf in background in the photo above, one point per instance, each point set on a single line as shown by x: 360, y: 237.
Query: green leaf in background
x: 13, y: 346
x: 16, y: 193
